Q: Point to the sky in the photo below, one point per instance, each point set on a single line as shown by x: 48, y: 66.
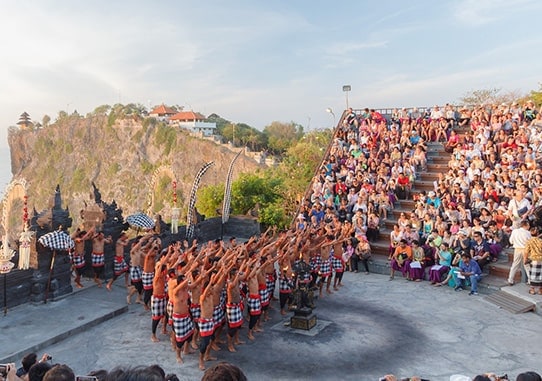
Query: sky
x: 256, y: 62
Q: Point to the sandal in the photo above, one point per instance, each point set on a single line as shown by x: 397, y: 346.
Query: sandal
x: 531, y: 291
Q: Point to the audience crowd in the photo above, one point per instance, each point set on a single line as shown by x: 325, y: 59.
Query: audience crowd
x: 492, y: 183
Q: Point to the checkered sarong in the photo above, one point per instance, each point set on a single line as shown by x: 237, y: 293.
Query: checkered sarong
x: 158, y: 307
x: 254, y: 304
x: 535, y: 273
x: 206, y: 327
x: 195, y: 311
x: 325, y: 267
x: 270, y: 281
x: 98, y: 259
x: 285, y: 284
x: 337, y: 264
x: 235, y: 315
x: 264, y: 295
x: 147, y: 280
x: 78, y: 261
x: 135, y: 273
x: 219, y: 316
x: 183, y: 327
x: 119, y: 265
x: 169, y: 311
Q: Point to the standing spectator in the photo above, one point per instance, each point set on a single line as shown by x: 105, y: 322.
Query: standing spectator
x: 518, y: 239
x: 532, y: 259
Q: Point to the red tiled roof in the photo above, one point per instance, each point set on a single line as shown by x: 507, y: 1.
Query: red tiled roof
x: 187, y: 115
x: 163, y: 110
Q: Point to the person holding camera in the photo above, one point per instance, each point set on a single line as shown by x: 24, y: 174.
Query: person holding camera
x: 29, y: 360
x: 8, y: 372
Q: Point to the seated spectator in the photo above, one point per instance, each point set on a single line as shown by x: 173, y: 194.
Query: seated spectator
x: 38, y: 370
x: 400, y: 259
x: 479, y: 250
x: 470, y: 270
x: 528, y: 376
x: 29, y: 360
x: 444, y: 263
x: 59, y: 373
x: 224, y: 371
x: 416, y: 267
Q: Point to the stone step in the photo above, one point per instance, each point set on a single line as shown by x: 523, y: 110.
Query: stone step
x: 427, y: 176
x: 437, y: 167
x: 441, y: 159
x: 501, y: 270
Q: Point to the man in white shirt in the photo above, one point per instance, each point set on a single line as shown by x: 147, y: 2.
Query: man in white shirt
x: 518, y: 239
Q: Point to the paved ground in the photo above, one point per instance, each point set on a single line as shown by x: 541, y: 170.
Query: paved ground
x: 371, y: 327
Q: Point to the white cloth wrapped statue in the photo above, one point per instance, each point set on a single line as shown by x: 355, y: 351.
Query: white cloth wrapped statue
x: 26, y: 238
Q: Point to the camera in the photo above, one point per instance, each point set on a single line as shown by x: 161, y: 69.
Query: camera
x: 3, y: 370
x: 49, y: 358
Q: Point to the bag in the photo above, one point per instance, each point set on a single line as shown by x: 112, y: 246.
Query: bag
x: 366, y: 254
x: 401, y: 258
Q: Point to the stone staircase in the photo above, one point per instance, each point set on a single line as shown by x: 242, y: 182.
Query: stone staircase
x: 495, y: 274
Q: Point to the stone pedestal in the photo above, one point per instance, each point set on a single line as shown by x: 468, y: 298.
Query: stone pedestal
x: 303, y: 319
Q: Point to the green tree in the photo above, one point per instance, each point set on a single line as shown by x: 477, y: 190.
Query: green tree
x: 281, y: 136
x: 210, y: 198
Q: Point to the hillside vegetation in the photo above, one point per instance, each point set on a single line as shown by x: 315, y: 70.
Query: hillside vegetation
x: 120, y: 156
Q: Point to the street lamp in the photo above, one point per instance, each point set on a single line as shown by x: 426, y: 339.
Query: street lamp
x: 329, y: 110
x: 346, y: 89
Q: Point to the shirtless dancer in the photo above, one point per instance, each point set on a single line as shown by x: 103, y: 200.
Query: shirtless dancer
x: 254, y: 299
x: 183, y: 325
x: 136, y: 254
x: 158, y: 298
x: 119, y: 265
x: 233, y: 308
x: 98, y: 257
x: 206, y: 322
x: 78, y: 254
x: 147, y: 275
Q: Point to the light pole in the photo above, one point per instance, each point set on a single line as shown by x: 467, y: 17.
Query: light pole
x: 329, y: 110
x: 346, y: 89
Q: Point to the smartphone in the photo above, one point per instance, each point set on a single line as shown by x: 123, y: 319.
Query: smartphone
x: 86, y: 378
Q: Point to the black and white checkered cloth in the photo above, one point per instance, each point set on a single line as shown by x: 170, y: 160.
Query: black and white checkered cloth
x: 235, y: 315
x: 57, y: 240
x: 158, y: 307
x: 183, y: 326
x: 140, y: 220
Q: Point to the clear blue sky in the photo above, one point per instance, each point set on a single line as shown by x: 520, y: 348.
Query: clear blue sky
x: 259, y: 61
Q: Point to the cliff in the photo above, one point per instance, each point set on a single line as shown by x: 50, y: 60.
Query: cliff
x: 130, y: 160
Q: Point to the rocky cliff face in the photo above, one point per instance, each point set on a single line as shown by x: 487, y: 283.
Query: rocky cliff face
x: 128, y: 160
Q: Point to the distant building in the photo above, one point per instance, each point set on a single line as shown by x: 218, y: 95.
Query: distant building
x: 194, y: 122
x: 24, y: 121
x: 162, y: 112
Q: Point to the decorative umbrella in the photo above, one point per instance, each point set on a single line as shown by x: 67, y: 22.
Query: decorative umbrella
x: 57, y: 240
x: 140, y: 221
